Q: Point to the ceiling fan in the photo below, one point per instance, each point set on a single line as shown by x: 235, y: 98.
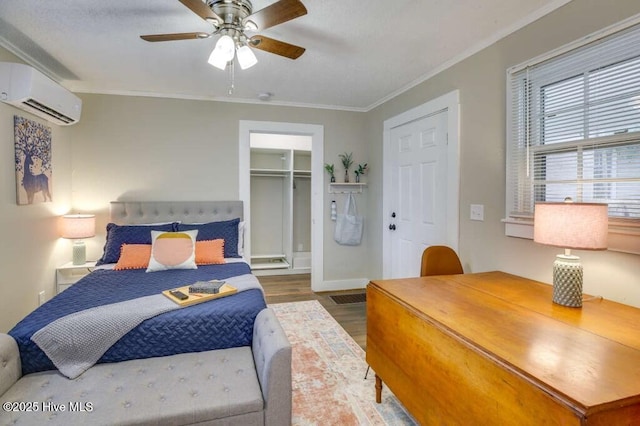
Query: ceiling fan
x: 231, y: 19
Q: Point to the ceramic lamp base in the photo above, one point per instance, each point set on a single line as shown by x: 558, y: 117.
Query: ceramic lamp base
x: 79, y: 253
x: 567, y: 281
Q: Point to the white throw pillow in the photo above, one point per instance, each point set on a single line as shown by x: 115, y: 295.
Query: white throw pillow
x: 172, y: 250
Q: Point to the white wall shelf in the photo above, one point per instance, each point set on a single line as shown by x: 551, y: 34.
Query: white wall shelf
x: 346, y: 188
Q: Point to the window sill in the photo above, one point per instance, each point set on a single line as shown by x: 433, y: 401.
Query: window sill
x: 623, y: 237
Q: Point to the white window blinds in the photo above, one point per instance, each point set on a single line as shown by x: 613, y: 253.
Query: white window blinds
x: 574, y: 128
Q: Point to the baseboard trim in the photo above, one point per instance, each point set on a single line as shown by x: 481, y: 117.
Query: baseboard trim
x: 338, y: 285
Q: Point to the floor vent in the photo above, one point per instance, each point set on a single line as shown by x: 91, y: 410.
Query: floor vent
x: 342, y: 299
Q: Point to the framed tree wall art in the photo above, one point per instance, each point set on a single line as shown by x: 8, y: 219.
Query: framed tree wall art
x: 33, y: 161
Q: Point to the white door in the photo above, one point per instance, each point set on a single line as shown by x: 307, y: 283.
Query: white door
x: 418, y: 166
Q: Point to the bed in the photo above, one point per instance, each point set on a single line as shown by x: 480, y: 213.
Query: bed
x: 218, y: 324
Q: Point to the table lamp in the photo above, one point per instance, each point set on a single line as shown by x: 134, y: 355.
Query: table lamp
x: 76, y: 227
x: 582, y: 226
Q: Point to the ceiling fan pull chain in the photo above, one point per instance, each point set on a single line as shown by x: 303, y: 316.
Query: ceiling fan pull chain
x: 232, y: 77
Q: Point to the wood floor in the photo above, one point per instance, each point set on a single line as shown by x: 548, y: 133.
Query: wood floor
x: 294, y: 288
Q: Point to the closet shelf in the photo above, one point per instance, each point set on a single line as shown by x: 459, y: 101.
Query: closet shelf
x: 268, y: 256
x: 269, y: 261
x: 346, y: 188
x: 269, y: 172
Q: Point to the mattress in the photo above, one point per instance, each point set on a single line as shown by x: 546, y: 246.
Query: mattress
x: 218, y: 324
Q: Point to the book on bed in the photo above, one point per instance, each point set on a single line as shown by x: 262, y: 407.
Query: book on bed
x: 207, y: 287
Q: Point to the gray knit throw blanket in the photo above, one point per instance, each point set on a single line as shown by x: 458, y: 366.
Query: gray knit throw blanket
x: 76, y: 342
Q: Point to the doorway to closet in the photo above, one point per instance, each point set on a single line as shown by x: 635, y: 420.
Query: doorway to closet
x: 280, y: 183
x: 280, y: 202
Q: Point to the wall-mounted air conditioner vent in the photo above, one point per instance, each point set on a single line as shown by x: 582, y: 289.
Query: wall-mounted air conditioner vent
x: 50, y: 112
x: 27, y: 88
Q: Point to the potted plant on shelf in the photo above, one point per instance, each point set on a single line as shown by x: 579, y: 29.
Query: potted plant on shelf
x: 347, y: 161
x: 330, y: 169
x: 362, y: 169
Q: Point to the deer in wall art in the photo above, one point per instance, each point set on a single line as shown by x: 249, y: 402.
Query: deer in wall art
x: 33, y: 180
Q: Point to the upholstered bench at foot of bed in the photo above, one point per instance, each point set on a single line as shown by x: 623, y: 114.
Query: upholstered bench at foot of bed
x: 236, y: 386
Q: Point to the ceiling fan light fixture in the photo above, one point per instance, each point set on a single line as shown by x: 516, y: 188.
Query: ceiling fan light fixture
x: 222, y: 53
x: 246, y: 57
x: 226, y: 47
x: 230, y: 19
x: 217, y: 61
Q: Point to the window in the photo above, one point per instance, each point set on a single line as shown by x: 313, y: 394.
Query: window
x: 574, y: 128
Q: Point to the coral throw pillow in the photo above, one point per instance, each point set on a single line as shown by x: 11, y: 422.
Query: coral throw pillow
x: 172, y: 250
x: 133, y: 256
x: 210, y: 252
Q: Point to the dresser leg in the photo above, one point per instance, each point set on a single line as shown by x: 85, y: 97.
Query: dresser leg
x: 378, y: 389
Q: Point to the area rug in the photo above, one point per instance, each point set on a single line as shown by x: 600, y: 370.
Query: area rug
x: 328, y: 371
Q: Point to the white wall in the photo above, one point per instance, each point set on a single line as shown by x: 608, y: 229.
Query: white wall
x: 30, y: 247
x: 481, y: 80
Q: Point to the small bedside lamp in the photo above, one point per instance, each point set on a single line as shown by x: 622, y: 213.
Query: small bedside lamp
x: 582, y: 226
x: 76, y: 227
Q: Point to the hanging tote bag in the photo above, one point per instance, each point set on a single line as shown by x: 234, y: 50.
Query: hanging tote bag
x: 349, y: 225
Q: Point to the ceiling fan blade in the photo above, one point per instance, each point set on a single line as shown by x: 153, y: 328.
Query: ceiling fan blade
x: 275, y: 46
x: 276, y: 13
x: 172, y: 37
x: 203, y: 11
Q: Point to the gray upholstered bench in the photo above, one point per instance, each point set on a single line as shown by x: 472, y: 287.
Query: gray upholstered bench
x: 249, y: 385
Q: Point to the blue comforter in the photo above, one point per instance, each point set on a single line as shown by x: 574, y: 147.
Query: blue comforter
x: 218, y: 324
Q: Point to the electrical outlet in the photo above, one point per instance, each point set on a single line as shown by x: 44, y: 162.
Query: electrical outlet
x: 41, y: 298
x: 477, y: 212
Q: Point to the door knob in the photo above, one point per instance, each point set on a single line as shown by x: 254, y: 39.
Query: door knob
x: 393, y: 214
x: 392, y: 227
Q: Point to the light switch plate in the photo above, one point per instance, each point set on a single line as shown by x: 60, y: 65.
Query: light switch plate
x: 477, y: 212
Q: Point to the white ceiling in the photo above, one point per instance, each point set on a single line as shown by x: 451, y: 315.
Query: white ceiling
x: 359, y: 53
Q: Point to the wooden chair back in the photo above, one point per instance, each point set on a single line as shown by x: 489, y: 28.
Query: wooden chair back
x: 440, y: 260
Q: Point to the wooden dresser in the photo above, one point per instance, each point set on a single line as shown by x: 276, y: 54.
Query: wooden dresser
x: 492, y: 349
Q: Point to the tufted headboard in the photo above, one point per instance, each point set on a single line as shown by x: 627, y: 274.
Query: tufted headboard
x: 133, y: 212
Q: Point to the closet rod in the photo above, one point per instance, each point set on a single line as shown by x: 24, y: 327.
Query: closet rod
x: 267, y: 175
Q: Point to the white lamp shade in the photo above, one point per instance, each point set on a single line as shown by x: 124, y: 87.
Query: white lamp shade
x: 223, y: 52
x: 217, y: 61
x: 76, y: 226
x: 226, y: 46
x: 582, y: 226
x: 246, y: 57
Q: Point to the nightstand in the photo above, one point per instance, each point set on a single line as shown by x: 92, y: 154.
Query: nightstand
x: 69, y: 274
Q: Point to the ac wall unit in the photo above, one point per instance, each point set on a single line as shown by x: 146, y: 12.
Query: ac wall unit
x: 27, y: 88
